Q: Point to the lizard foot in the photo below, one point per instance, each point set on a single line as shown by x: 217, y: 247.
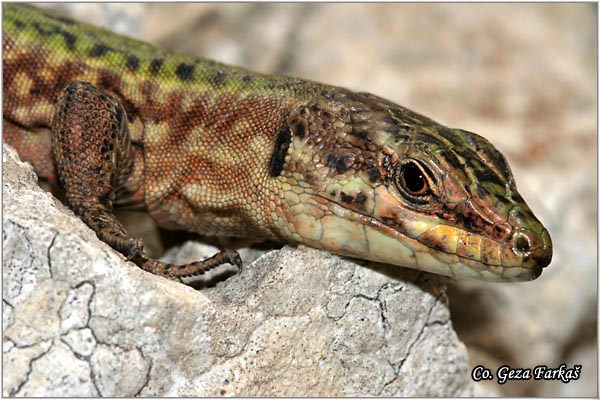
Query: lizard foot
x: 176, y: 272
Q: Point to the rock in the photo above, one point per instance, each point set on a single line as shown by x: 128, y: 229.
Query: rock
x: 79, y: 320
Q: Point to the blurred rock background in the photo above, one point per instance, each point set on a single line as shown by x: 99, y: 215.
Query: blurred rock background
x: 522, y: 75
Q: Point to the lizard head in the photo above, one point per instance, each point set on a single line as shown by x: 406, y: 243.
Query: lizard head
x: 366, y: 178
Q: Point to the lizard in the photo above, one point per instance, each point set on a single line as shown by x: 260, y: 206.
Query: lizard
x: 218, y: 150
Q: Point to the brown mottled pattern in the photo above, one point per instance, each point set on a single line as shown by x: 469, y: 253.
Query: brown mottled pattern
x: 208, y: 170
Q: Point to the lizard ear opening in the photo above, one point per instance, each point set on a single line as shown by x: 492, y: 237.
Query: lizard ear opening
x: 282, y: 144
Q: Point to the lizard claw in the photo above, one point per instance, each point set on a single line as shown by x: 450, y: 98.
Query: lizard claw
x: 235, y: 259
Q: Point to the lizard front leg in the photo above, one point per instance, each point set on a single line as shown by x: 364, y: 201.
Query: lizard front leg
x: 92, y: 152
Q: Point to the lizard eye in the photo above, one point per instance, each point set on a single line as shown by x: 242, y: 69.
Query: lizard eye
x: 413, y: 181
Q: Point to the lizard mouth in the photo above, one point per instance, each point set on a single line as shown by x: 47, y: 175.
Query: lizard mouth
x: 439, y: 248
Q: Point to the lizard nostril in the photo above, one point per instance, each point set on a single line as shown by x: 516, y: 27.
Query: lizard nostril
x: 522, y: 243
x: 534, y: 249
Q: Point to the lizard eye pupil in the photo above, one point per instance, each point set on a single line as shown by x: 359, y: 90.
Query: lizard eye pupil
x: 413, y: 179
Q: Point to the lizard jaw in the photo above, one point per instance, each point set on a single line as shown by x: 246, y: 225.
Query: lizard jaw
x: 351, y: 233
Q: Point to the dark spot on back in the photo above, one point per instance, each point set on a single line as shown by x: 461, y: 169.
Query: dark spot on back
x: 247, y: 78
x: 282, y: 145
x: 65, y: 20
x: 40, y: 30
x: 155, y: 65
x: 19, y: 24
x: 185, y: 72
x: 34, y: 91
x: 70, y: 40
x: 132, y: 63
x: 99, y: 50
x: 219, y: 77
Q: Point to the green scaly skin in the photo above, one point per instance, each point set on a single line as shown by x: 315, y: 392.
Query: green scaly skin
x: 223, y: 151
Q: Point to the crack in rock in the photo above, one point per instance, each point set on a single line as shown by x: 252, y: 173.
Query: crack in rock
x: 48, y: 255
x: 107, y: 363
x: 397, y: 367
x: 15, y: 390
x: 75, y: 310
x: 80, y: 341
x: 148, y: 372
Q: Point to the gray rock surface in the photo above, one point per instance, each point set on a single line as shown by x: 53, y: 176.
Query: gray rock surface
x: 81, y: 321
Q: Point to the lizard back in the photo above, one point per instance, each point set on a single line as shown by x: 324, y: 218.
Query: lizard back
x: 199, y: 129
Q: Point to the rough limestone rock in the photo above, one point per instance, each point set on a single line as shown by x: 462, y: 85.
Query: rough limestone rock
x: 81, y: 321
